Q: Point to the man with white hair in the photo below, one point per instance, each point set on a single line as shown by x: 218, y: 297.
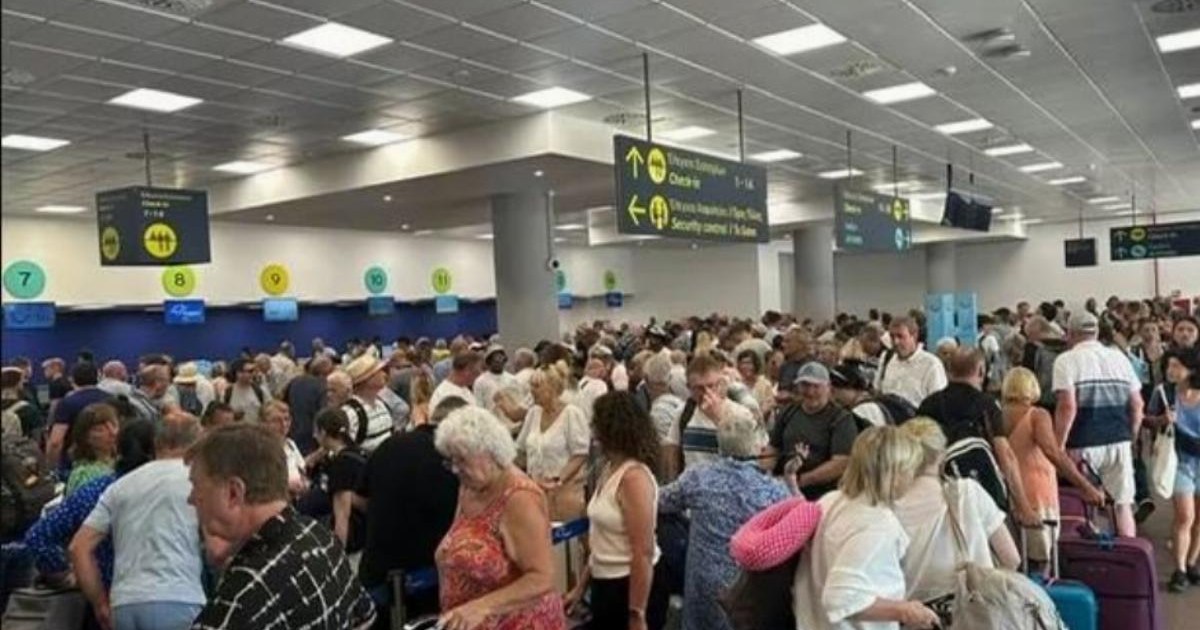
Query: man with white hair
x: 665, y: 406
x: 340, y: 387
x: 1099, y: 412
x: 114, y: 379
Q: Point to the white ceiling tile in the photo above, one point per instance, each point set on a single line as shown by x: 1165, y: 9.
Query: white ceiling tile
x: 585, y: 43
x: 118, y: 19
x: 764, y: 21
x: 283, y: 58
x: 715, y: 10
x: 403, y: 88
x: 591, y: 10
x: 523, y: 22
x: 209, y: 40
x: 400, y: 57
x: 465, y: 9
x: 349, y: 72
x: 159, y: 57
x: 259, y: 20
x: 70, y: 40
x: 646, y: 23
x: 393, y: 20
x: 226, y: 72
x: 325, y: 7
x: 196, y: 88
x: 459, y: 41
x: 516, y: 58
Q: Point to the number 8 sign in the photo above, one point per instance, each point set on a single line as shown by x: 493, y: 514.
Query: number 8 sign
x: 274, y: 279
x: 179, y: 281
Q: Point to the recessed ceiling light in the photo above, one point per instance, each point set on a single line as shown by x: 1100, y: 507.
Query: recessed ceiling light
x: 997, y: 210
x: 1117, y: 206
x: 55, y: 209
x: 155, y: 100
x: 964, y: 126
x: 1196, y: 123
x: 691, y: 132
x: 840, y: 174
x: 1032, y: 221
x: 1040, y: 166
x: 32, y: 143
x: 1011, y: 149
x: 242, y: 167
x: 270, y: 217
x: 798, y: 40
x: 387, y: 198
x: 925, y: 196
x: 539, y: 173
x: 1105, y: 199
x: 373, y: 137
x: 337, y: 40
x: 422, y: 232
x: 559, y: 239
x: 890, y: 186
x: 1191, y: 90
x: 405, y: 226
x: 1175, y: 42
x: 900, y: 93
x: 776, y: 155
x: 1063, y: 181
x: 571, y: 227
x: 485, y: 237
x: 552, y: 97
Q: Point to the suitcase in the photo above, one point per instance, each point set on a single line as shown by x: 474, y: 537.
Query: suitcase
x: 37, y: 608
x: 1122, y: 574
x: 1076, y: 603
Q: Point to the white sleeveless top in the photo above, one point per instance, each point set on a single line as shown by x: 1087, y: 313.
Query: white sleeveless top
x: 611, y: 554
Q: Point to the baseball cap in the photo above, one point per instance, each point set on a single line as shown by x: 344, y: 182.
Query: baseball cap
x: 849, y: 375
x: 1083, y: 322
x: 813, y: 373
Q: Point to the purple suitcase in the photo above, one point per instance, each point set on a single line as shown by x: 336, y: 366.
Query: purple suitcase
x: 1121, y: 572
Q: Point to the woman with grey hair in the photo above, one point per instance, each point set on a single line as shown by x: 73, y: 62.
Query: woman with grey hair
x: 494, y: 565
x: 721, y: 496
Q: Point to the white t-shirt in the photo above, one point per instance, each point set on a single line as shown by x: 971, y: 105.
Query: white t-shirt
x: 853, y: 559
x: 664, y: 412
x: 589, y: 390
x: 445, y: 390
x: 914, y: 378
x: 929, y: 564
x: 547, y: 452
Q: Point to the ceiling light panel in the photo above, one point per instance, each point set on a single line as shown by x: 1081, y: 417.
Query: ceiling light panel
x: 55, y: 209
x: 840, y: 173
x: 1064, y: 181
x: 925, y: 196
x: 683, y: 134
x: 800, y: 40
x: 964, y: 126
x: 373, y: 137
x: 1040, y: 166
x: 571, y: 227
x: 1191, y: 90
x: 1117, y: 206
x: 1102, y: 200
x: 336, y: 40
x: 242, y: 167
x: 552, y: 97
x: 1175, y: 42
x: 777, y: 155
x: 900, y: 93
x: 1196, y: 123
x: 1010, y: 149
x: 32, y: 143
x: 155, y: 100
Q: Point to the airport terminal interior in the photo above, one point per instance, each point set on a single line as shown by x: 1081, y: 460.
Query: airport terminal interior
x: 637, y: 314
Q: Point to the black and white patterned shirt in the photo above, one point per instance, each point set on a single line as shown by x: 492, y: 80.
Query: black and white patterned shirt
x: 291, y: 575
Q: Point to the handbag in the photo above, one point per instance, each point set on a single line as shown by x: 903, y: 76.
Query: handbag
x: 1163, y: 463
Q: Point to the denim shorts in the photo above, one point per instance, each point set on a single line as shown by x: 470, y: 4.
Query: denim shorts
x: 1187, y: 476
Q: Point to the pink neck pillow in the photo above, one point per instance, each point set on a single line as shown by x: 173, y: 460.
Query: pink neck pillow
x: 774, y: 535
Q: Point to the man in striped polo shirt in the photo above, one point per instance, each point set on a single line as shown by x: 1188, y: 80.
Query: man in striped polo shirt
x: 1099, y: 412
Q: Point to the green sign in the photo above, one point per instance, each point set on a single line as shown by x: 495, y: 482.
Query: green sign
x: 376, y: 280
x: 441, y: 280
x: 560, y: 280
x: 664, y: 191
x: 179, y: 281
x: 24, y: 280
x: 610, y: 280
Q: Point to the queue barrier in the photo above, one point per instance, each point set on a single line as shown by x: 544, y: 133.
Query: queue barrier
x: 407, y: 584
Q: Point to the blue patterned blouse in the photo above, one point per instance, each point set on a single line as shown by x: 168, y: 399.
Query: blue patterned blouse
x: 48, y: 538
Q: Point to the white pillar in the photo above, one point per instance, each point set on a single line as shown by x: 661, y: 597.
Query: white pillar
x: 526, y: 306
x: 815, y: 294
x: 940, y: 273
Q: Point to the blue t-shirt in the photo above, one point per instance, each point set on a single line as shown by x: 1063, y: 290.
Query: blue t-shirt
x: 69, y: 407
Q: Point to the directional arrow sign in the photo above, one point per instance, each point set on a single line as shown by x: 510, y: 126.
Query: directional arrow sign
x: 634, y: 157
x: 1163, y: 240
x: 635, y: 210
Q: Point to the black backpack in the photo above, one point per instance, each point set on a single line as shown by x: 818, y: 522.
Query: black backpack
x: 762, y: 600
x: 26, y: 486
x: 189, y: 401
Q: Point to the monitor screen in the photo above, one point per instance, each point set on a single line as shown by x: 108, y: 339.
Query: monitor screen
x: 281, y: 310
x: 967, y: 214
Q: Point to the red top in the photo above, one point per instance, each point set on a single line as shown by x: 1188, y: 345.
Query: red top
x: 472, y: 562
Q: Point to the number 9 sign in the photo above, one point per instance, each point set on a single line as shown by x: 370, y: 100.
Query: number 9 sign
x: 274, y: 279
x: 179, y: 281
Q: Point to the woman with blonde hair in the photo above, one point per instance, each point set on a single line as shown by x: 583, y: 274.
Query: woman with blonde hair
x: 851, y: 576
x: 1039, y: 455
x: 553, y: 444
x: 932, y: 510
x: 420, y: 392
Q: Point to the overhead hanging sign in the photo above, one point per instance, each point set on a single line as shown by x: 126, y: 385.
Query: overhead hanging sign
x: 871, y: 222
x: 1080, y: 252
x: 1165, y: 240
x: 664, y: 191
x: 145, y: 226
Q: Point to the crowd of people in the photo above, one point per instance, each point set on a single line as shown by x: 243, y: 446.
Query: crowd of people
x: 275, y: 491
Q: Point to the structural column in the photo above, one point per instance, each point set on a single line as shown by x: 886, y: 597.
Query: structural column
x: 815, y: 293
x: 526, y: 306
x: 941, y: 276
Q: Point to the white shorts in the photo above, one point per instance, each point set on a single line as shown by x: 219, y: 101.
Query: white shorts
x: 1114, y: 464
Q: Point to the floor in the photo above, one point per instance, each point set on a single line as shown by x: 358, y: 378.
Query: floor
x: 1175, y: 608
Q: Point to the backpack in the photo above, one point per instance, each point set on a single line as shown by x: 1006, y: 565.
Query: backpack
x: 1040, y: 359
x: 897, y: 408
x: 762, y: 600
x: 189, y: 401
x: 26, y: 485
x: 972, y: 458
x: 995, y: 598
x: 254, y: 388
